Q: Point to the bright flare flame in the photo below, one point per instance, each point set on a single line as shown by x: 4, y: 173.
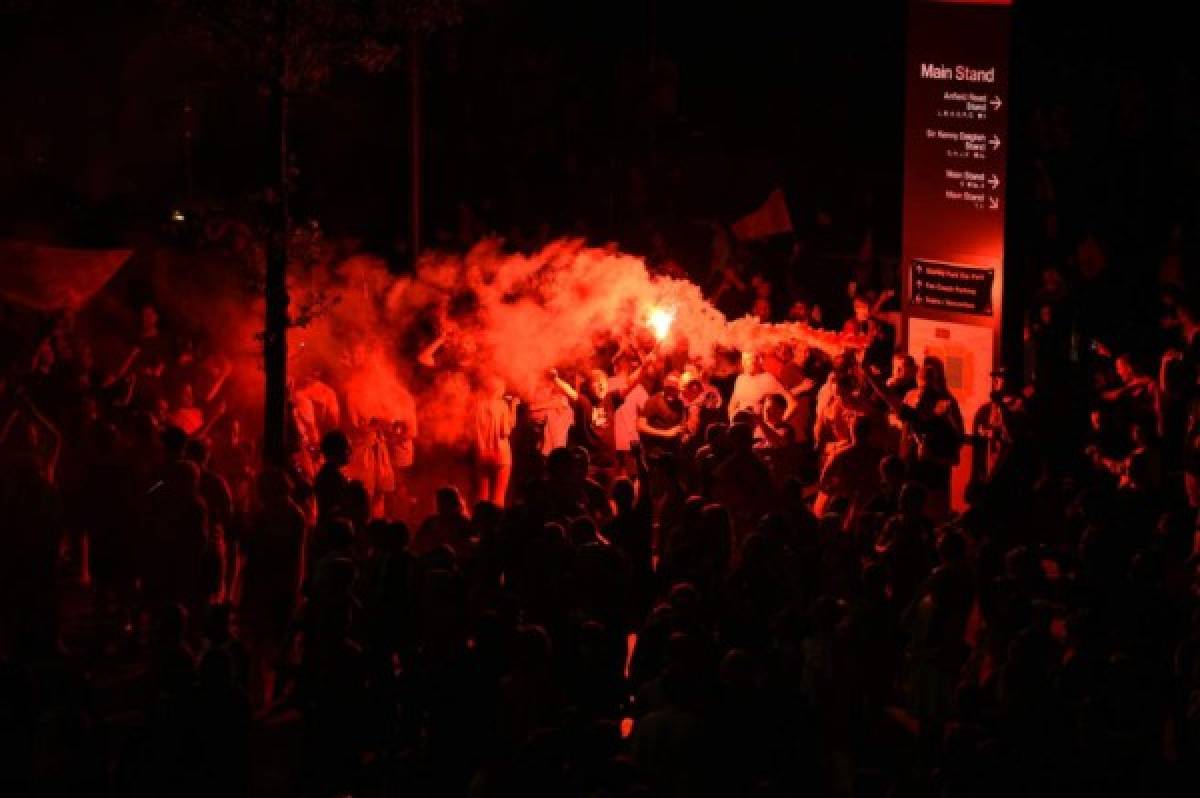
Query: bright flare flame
x: 660, y: 320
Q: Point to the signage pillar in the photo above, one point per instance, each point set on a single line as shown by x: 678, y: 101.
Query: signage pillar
x: 955, y: 177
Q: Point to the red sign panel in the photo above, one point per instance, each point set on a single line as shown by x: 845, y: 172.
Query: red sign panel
x: 955, y: 157
x: 956, y: 143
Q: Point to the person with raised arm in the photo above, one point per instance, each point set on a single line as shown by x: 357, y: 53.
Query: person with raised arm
x: 593, y: 408
x: 932, y: 430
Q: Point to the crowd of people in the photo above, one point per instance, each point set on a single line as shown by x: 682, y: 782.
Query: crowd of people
x: 670, y: 573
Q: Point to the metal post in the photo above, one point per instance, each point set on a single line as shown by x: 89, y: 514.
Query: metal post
x: 414, y: 143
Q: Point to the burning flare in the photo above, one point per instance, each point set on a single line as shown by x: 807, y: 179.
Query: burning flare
x: 660, y: 320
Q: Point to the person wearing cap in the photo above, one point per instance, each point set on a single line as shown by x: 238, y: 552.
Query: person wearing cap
x: 993, y: 427
x: 661, y: 423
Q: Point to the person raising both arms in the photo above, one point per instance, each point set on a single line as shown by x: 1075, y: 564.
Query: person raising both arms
x: 593, y: 408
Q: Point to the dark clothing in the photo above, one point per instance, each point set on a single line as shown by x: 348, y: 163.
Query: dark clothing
x: 179, y: 565
x: 995, y: 430
x: 933, y: 435
x: 901, y: 387
x: 879, y: 350
x: 881, y: 345
x: 273, y: 550
x: 332, y: 491
x: 742, y: 482
x: 791, y: 374
x: 154, y: 351
x: 885, y: 503
x: 593, y: 428
x: 451, y: 530
x: 217, y: 498
x: 907, y: 557
x: 662, y: 413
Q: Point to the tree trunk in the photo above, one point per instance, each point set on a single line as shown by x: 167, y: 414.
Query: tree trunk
x: 275, y: 333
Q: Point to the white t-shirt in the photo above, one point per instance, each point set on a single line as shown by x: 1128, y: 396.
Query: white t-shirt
x: 825, y: 395
x: 750, y: 390
x: 317, y: 404
x: 493, y: 425
x: 556, y: 415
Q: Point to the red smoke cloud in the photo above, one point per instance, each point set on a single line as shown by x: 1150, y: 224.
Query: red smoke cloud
x: 512, y: 315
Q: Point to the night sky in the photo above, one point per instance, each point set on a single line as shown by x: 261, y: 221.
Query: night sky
x: 606, y: 118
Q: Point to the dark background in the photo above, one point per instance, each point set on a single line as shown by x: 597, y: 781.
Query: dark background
x: 614, y: 119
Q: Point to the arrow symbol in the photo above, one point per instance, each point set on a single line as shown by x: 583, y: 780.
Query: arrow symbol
x: 994, y: 182
x: 996, y: 102
x: 993, y: 204
x: 995, y: 142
